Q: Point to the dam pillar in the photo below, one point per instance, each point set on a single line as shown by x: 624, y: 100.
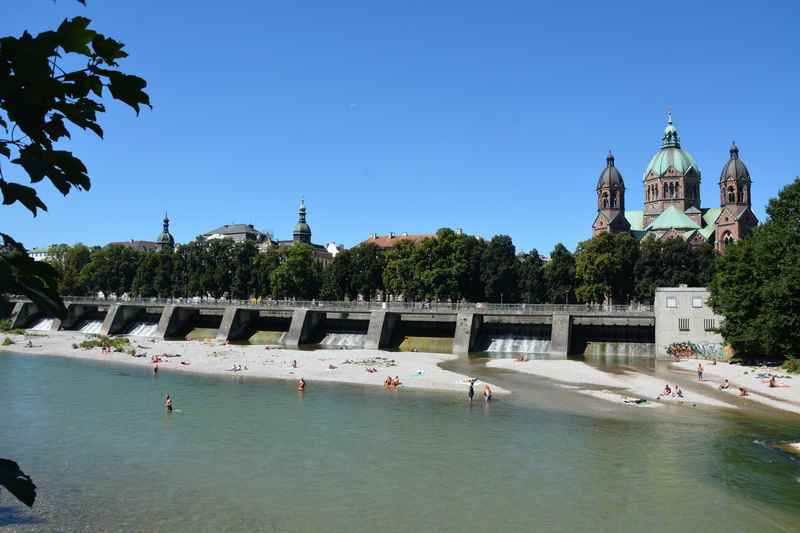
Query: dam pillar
x: 467, y: 327
x: 74, y: 314
x: 304, y: 323
x: 174, y: 319
x: 118, y: 317
x: 560, y: 335
x: 22, y: 313
x: 236, y: 322
x: 381, y: 328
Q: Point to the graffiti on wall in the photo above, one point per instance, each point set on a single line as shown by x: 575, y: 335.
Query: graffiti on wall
x: 696, y: 350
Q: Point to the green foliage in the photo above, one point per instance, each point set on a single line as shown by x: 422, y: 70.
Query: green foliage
x: 532, y: 285
x: 499, y: 270
x: 757, y: 283
x: 559, y: 273
x: 7, y: 341
x: 111, y: 269
x: 299, y: 275
x: 791, y: 365
x: 117, y: 344
x: 48, y: 83
x: 604, y: 268
x: 669, y: 263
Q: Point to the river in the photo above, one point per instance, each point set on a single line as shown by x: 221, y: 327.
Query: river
x: 248, y: 455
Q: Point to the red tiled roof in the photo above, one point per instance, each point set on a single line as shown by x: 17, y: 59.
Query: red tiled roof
x: 391, y: 240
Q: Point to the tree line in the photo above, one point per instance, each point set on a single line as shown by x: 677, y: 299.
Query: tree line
x: 447, y: 267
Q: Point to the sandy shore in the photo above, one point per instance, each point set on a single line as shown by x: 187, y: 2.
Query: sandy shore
x: 786, y: 396
x: 588, y: 380
x: 415, y: 370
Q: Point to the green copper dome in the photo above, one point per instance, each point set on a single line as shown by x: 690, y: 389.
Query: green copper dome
x: 671, y: 155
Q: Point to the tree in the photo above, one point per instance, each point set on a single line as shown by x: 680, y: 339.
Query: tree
x: 757, y: 283
x: 669, y: 263
x: 499, y: 272
x: 366, y: 264
x: 604, y: 268
x: 532, y: 285
x: 263, y: 265
x: 559, y: 273
x: 39, y: 99
x: 299, y: 274
x: 242, y: 282
x: 399, y: 274
x: 111, y: 269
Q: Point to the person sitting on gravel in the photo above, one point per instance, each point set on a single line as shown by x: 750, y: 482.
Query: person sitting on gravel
x: 742, y: 391
x: 725, y: 384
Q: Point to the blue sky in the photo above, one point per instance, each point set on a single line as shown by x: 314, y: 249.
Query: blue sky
x: 494, y: 117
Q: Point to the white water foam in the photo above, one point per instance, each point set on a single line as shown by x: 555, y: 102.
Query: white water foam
x: 143, y: 329
x: 91, y: 327
x: 349, y: 340
x: 45, y: 324
x: 512, y: 344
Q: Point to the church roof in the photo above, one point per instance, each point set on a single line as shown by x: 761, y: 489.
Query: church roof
x: 711, y: 215
x: 610, y: 176
x: 734, y: 168
x: 671, y: 155
x: 671, y: 218
x: 635, y: 219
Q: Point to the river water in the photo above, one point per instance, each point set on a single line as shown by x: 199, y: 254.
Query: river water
x: 242, y: 455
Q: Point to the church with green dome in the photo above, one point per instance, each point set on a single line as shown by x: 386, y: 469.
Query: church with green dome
x: 672, y: 199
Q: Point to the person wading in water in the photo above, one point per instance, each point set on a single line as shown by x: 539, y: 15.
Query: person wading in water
x: 168, y: 403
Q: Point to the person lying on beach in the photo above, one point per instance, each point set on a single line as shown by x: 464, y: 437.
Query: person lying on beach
x: 634, y: 401
x: 772, y: 383
x: 520, y: 359
x: 725, y: 384
x: 678, y: 392
x: 666, y: 392
x: 185, y: 363
x: 742, y: 391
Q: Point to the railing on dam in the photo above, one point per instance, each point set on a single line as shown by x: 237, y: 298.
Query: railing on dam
x: 366, y: 306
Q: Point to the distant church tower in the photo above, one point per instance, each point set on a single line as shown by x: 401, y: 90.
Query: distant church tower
x: 166, y: 239
x: 610, y: 201
x: 671, y: 179
x: 302, y: 231
x: 736, y: 220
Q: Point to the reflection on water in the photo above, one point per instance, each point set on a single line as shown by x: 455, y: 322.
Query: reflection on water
x: 243, y: 455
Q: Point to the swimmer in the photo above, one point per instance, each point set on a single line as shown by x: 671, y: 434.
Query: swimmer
x: 301, y: 384
x: 487, y: 393
x: 396, y: 381
x: 155, y: 369
x: 168, y: 403
x: 387, y: 382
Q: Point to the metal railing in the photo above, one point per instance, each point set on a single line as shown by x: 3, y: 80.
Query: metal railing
x: 366, y: 306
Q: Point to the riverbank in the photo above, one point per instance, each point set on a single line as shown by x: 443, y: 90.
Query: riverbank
x: 415, y: 370
x: 628, y: 385
x: 754, y: 379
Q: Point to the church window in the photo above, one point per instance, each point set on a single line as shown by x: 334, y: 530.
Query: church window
x: 677, y: 190
x: 613, y: 200
x: 731, y: 194
x: 605, y: 200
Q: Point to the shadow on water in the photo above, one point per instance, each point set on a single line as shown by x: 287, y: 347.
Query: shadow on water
x: 11, y: 515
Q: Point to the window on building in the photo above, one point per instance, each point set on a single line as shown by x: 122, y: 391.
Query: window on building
x: 709, y: 324
x: 613, y: 200
x: 731, y: 195
x: 605, y: 200
x: 672, y: 302
x: 697, y: 301
x: 683, y: 324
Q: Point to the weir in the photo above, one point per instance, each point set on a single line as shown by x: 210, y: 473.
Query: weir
x: 554, y: 330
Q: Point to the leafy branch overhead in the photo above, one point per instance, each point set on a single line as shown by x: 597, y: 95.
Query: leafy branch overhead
x: 40, y: 98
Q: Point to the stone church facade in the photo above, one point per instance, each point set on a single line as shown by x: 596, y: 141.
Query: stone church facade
x: 672, y: 199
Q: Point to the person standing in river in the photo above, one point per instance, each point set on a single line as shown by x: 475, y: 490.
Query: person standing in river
x: 168, y: 403
x: 471, y: 392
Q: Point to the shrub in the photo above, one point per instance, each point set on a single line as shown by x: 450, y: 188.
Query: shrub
x: 101, y: 341
x: 7, y: 342
x: 791, y: 365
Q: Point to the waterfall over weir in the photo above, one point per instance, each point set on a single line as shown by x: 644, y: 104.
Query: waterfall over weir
x: 91, y: 327
x: 45, y: 324
x: 511, y: 344
x: 143, y: 329
x: 349, y: 340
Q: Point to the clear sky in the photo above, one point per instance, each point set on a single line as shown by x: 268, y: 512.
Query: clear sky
x: 494, y: 117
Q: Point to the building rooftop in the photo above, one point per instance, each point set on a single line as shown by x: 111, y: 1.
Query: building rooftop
x: 392, y: 239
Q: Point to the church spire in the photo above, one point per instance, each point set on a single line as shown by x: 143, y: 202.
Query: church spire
x: 670, y: 138
x: 302, y: 231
